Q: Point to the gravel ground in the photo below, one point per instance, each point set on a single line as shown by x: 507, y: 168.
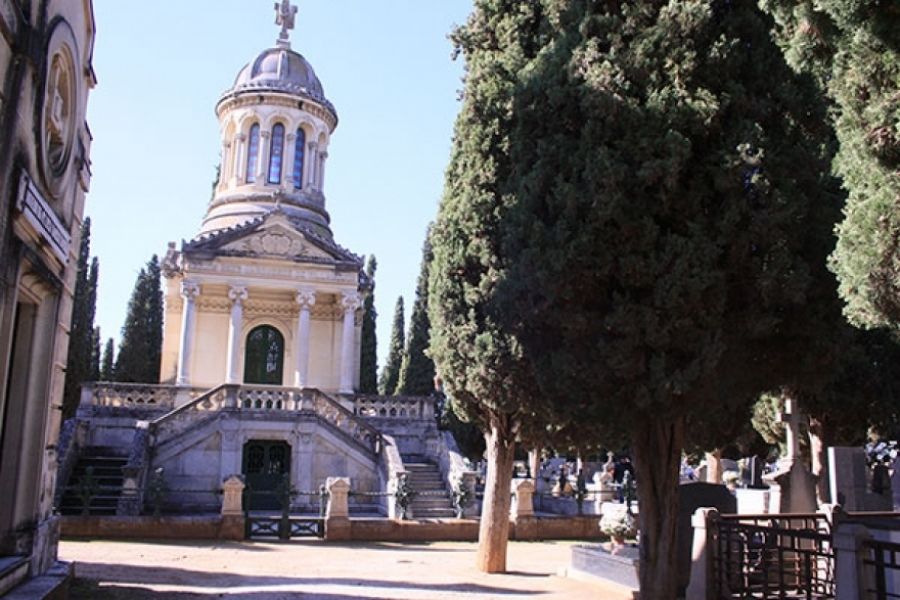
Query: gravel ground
x: 113, y: 570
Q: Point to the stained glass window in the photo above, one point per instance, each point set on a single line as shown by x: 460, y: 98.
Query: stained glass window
x: 276, y: 153
x: 264, y: 356
x: 252, y: 153
x: 299, y: 147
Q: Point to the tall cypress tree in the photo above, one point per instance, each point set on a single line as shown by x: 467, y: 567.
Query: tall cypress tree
x: 853, y: 50
x: 368, y: 362
x: 78, y: 364
x: 107, y: 363
x: 417, y: 369
x: 141, y: 345
x: 626, y: 225
x: 95, y: 355
x: 390, y: 374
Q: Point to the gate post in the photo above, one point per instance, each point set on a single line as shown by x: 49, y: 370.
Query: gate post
x: 849, y: 576
x: 233, y: 526
x: 703, y: 555
x: 523, y: 509
x: 337, y: 516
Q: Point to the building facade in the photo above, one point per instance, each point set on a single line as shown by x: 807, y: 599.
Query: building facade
x: 46, y: 74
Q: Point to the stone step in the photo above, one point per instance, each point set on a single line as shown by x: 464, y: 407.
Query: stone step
x: 13, y: 570
x: 436, y: 513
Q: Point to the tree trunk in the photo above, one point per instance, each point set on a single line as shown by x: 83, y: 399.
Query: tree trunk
x: 819, y: 459
x: 657, y: 445
x: 714, y: 466
x: 493, y: 533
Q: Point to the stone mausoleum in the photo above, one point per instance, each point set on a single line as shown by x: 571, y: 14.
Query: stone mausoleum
x: 261, y: 343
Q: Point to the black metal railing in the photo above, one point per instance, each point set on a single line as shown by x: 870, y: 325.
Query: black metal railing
x: 774, y: 556
x: 881, y: 569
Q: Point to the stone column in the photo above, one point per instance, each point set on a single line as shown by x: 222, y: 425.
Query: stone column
x: 233, y: 527
x: 350, y: 302
x: 237, y: 169
x: 237, y: 295
x: 225, y: 164
x: 323, y: 156
x: 262, y: 168
x: 337, y: 517
x: 306, y: 298
x: 189, y: 292
x: 309, y: 179
x: 287, y: 161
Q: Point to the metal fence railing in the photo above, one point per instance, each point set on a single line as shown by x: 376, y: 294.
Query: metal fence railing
x: 881, y: 569
x: 774, y: 556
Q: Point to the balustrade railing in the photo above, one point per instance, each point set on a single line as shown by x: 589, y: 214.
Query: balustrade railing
x: 131, y: 395
x: 331, y: 411
x: 395, y: 407
x: 268, y: 398
x: 174, y: 423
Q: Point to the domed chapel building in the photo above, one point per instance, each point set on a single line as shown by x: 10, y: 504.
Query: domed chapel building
x: 261, y: 342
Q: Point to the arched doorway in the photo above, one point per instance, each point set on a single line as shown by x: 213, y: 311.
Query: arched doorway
x: 264, y: 356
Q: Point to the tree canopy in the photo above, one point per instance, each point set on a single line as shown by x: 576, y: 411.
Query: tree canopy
x: 141, y: 342
x: 390, y: 373
x: 80, y: 364
x: 417, y: 368
x: 368, y: 363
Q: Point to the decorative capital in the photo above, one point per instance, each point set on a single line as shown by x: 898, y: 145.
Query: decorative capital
x: 265, y: 134
x: 323, y: 154
x: 306, y: 298
x: 241, y: 137
x: 313, y: 146
x: 350, y: 301
x: 189, y: 290
x: 237, y: 294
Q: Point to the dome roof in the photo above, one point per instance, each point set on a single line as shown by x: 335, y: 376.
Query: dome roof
x: 280, y: 70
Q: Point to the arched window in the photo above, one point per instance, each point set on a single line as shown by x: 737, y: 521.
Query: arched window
x: 252, y: 153
x: 264, y: 356
x: 276, y: 153
x: 299, y: 146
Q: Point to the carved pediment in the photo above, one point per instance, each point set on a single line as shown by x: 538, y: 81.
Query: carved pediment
x: 276, y: 241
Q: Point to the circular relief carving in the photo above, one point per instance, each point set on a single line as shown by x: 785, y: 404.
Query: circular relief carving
x: 59, y: 111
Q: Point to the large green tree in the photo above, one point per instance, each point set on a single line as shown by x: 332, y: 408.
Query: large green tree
x: 79, y: 364
x: 390, y: 373
x: 853, y: 49
x: 141, y: 343
x: 417, y: 368
x: 368, y: 360
x: 626, y: 223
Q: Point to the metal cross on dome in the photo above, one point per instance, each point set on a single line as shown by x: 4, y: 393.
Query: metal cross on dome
x: 285, y: 15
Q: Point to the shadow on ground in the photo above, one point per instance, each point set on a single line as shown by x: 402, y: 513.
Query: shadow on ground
x: 125, y: 581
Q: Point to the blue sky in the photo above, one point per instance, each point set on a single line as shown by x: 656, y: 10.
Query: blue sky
x: 161, y: 67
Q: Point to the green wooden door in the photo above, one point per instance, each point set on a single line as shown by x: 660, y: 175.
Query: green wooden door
x: 264, y: 466
x: 264, y: 356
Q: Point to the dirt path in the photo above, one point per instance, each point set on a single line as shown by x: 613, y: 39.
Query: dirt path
x: 109, y: 570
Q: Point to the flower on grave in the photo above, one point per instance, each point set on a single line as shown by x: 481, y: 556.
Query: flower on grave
x: 731, y: 478
x: 619, y: 525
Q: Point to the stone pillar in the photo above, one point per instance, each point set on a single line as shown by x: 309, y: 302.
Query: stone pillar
x: 225, y: 165
x: 189, y: 292
x: 323, y: 156
x: 306, y: 299
x: 237, y: 169
x: 714, y: 467
x: 337, y: 516
x: 233, y: 526
x: 523, y: 509
x: 309, y: 179
x: 849, y: 576
x: 233, y: 496
x: 237, y: 295
x: 350, y: 302
x: 702, y: 554
x: 287, y: 158
x: 262, y: 168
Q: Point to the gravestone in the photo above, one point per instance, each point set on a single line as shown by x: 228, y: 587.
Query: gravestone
x: 692, y: 496
x: 792, y: 488
x: 848, y: 481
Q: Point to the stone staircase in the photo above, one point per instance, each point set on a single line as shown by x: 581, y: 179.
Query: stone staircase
x: 106, y: 471
x: 433, y: 500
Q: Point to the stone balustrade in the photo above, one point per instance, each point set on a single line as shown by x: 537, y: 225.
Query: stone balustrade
x: 128, y: 395
x: 395, y: 407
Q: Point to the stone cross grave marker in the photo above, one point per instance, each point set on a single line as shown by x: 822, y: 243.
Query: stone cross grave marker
x: 791, y: 417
